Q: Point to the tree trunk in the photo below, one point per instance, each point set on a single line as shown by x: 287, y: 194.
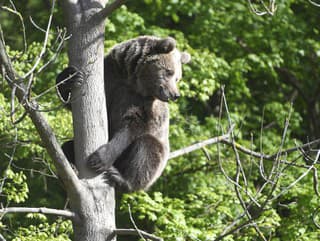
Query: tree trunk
x: 95, y: 208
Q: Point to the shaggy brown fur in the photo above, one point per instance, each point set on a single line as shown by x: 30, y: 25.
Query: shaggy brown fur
x: 140, y: 78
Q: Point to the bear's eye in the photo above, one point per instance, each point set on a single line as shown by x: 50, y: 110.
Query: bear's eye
x: 169, y: 72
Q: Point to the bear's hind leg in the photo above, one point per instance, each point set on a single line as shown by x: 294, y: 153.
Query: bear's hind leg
x: 142, y: 162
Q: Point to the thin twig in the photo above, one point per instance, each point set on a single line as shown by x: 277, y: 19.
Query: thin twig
x: 52, y: 175
x: 233, y: 140
x: 315, y: 181
x: 240, y: 170
x: 271, y: 9
x: 14, y: 11
x: 44, y: 47
x: 261, y: 164
x: 276, y: 167
x: 222, y: 101
x: 237, y: 228
x: 57, y: 51
x: 10, y: 159
x: 233, y: 223
x: 134, y: 224
x: 299, y: 178
x: 293, y: 149
x: 269, y: 157
x: 315, y: 218
x: 120, y: 231
x: 36, y: 25
x: 64, y: 169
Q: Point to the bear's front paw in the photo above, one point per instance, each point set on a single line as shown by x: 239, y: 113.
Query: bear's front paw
x: 95, y: 162
x: 69, y: 78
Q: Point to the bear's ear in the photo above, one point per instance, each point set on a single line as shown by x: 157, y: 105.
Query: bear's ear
x: 185, y: 57
x: 163, y: 46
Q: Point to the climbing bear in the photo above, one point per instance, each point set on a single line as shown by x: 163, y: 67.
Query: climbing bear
x: 141, y: 76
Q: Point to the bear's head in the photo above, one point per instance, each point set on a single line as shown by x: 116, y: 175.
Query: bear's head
x: 161, y: 69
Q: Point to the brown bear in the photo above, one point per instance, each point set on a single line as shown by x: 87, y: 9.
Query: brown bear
x: 141, y: 76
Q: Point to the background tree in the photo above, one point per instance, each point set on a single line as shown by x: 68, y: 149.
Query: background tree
x: 268, y: 67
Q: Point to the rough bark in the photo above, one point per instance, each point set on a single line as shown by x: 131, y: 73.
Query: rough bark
x: 95, y: 207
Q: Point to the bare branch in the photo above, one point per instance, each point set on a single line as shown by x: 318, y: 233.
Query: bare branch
x: 31, y: 170
x: 299, y: 178
x: 270, y: 9
x: 136, y: 233
x: 239, y: 165
x: 45, y: 42
x: 315, y: 217
x: 2, y: 238
x: 36, y: 25
x: 14, y: 11
x: 65, y: 171
x: 134, y: 223
x: 10, y: 160
x: 43, y: 210
x: 62, y: 36
x: 240, y: 171
x: 315, y: 181
x: 314, y: 3
x: 269, y: 157
x: 243, y: 225
x: 107, y: 10
x: 200, y: 145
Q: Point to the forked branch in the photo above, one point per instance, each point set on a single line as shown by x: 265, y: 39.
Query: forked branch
x: 64, y: 169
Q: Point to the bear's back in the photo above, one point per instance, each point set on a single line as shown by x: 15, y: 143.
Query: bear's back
x: 122, y: 65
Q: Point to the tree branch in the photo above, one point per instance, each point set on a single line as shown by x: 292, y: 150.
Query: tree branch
x: 200, y: 145
x: 136, y: 233
x: 45, y: 42
x: 64, y: 169
x: 14, y: 11
x: 134, y: 224
x: 314, y: 3
x: 268, y: 157
x: 43, y: 210
x: 270, y: 9
x: 2, y: 238
x: 107, y: 10
x: 225, y: 139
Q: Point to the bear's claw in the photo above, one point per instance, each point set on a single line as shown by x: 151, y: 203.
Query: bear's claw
x: 95, y: 163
